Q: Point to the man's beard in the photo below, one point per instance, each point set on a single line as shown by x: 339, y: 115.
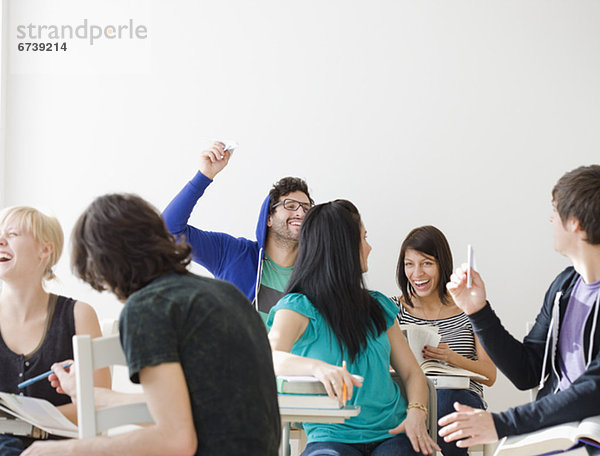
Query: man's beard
x: 282, y: 234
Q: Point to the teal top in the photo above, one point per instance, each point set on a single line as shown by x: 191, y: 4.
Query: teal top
x: 273, y: 275
x: 382, y: 405
x: 273, y: 280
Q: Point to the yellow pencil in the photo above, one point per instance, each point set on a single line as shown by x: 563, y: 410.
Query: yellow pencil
x: 345, y: 388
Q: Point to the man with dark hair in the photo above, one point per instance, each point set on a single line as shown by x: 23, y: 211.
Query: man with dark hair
x: 198, y: 349
x: 261, y: 268
x: 561, y: 353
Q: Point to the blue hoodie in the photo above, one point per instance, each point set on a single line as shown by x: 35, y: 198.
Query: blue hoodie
x: 236, y: 260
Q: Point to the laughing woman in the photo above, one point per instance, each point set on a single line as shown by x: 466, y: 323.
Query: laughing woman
x: 326, y: 317
x: 36, y: 327
x: 424, y: 268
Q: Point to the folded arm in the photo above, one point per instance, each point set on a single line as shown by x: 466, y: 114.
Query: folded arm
x: 172, y: 433
x: 287, y: 328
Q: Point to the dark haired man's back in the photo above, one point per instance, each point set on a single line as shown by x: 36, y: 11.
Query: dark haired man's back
x: 208, y: 327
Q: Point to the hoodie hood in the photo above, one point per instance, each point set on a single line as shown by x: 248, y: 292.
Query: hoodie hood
x: 261, y: 226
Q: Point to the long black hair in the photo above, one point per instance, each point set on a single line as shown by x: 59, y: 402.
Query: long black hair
x: 328, y: 272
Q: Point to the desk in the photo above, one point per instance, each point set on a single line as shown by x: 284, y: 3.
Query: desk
x: 311, y: 415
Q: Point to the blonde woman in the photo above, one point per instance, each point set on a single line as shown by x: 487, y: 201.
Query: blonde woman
x: 36, y: 327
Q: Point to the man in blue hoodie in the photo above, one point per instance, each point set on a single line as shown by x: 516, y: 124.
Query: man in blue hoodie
x: 561, y: 353
x: 261, y: 268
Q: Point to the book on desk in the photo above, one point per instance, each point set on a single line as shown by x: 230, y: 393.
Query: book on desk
x: 433, y: 367
x: 559, y: 438
x: 312, y: 401
x: 449, y: 381
x: 302, y: 391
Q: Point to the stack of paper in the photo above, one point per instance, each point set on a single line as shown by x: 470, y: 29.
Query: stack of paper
x: 418, y: 336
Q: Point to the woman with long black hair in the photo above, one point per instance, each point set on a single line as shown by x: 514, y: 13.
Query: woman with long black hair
x: 328, y: 316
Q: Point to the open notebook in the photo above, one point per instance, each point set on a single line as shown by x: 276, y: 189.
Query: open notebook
x: 38, y: 412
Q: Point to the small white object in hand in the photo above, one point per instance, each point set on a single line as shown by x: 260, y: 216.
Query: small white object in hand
x: 230, y: 145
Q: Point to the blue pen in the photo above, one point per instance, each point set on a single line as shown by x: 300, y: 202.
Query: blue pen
x: 33, y: 380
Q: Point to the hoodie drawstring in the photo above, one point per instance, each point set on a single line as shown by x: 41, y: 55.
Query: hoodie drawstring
x: 592, y: 332
x: 553, y: 323
x: 258, y: 274
x: 552, y: 336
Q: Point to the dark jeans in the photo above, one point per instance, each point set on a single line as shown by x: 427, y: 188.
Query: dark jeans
x: 592, y: 450
x: 11, y: 445
x: 398, y: 445
x: 445, y: 400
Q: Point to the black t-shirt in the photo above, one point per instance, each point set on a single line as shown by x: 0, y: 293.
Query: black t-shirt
x: 55, y: 346
x: 208, y: 327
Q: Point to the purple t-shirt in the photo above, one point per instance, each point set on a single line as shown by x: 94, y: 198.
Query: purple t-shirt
x: 570, y: 341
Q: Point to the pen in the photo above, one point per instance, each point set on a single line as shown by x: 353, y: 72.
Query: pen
x: 33, y: 380
x: 469, y: 264
x: 344, y: 388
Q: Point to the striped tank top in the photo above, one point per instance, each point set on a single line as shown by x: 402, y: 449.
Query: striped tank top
x: 456, y: 331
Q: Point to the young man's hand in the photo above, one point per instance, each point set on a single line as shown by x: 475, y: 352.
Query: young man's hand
x: 470, y: 300
x: 468, y: 425
x: 214, y: 159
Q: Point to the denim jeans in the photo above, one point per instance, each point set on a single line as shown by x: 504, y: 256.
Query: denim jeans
x: 398, y: 445
x: 445, y: 400
x: 11, y: 445
x: 592, y: 450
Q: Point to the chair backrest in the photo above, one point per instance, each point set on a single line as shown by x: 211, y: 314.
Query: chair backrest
x: 91, y: 354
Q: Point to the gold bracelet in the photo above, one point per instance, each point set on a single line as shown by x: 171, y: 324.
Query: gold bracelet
x: 417, y: 405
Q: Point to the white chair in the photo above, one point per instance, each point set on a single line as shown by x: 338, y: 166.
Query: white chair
x: 89, y: 355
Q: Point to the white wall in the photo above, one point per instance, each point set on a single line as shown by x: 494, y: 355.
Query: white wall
x: 460, y: 114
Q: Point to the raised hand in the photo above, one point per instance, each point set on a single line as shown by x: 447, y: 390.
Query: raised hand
x: 214, y: 159
x: 470, y: 300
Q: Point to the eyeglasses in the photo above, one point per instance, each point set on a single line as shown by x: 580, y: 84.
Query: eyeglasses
x: 293, y: 205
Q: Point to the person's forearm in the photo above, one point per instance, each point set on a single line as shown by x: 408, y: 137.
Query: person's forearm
x: 520, y: 363
x: 104, y: 397
x: 70, y: 411
x: 416, y: 387
x: 285, y: 363
x: 484, y: 368
x: 147, y: 441
x: 177, y: 213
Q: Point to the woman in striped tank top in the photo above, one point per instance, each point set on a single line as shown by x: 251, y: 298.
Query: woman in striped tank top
x: 424, y: 268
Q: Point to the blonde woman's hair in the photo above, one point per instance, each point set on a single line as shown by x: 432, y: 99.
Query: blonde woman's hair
x: 43, y: 228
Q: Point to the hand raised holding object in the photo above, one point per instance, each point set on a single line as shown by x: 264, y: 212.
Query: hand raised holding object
x: 470, y: 300
x: 214, y: 159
